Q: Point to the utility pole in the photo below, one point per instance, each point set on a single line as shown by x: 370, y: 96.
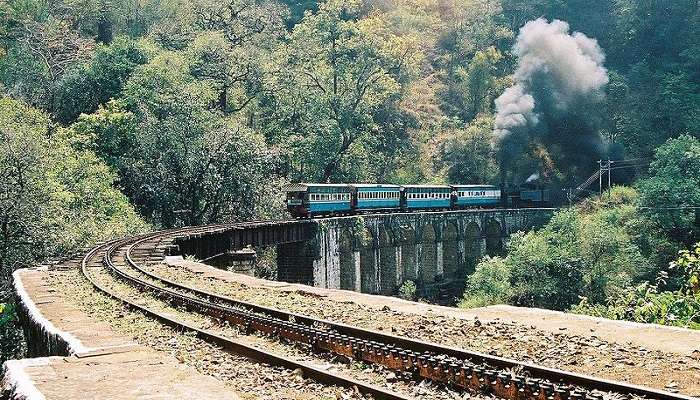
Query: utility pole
x: 609, y: 177
x: 600, y: 178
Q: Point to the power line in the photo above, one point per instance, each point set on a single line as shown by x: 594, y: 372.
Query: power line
x: 671, y: 208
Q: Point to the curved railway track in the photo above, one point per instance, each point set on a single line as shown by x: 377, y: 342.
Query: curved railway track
x: 126, y: 260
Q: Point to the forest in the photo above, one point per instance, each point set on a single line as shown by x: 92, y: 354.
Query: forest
x: 121, y: 116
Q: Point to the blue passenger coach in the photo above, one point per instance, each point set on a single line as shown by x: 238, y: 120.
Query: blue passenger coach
x: 372, y: 196
x: 312, y: 199
x: 426, y: 197
x: 475, y: 196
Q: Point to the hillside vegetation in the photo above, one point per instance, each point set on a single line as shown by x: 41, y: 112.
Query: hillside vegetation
x: 615, y: 256
x: 118, y: 115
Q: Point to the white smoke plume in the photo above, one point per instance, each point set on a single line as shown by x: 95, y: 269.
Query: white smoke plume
x: 532, y: 177
x: 557, y: 73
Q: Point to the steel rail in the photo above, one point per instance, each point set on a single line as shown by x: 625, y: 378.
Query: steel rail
x: 347, y: 333
x: 228, y: 343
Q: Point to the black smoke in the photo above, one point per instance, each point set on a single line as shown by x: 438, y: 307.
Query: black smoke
x: 552, y: 106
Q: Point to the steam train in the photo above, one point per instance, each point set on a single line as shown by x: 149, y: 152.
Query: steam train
x: 308, y: 200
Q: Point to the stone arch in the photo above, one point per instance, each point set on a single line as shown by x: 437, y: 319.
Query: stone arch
x: 451, y: 255
x: 428, y: 265
x: 472, y: 247
x: 408, y: 253
x: 368, y: 262
x: 493, y: 234
x: 387, y: 262
x: 347, y: 264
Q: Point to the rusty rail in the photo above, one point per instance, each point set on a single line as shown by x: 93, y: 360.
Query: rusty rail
x: 450, y: 366
x: 225, y: 342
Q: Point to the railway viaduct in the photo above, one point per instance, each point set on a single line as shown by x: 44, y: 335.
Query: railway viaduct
x: 373, y: 253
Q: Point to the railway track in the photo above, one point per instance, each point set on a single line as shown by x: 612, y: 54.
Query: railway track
x: 456, y: 368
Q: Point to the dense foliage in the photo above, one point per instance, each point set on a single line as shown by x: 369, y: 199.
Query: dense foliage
x: 339, y: 90
x: 198, y: 111
x: 657, y: 302
x: 601, y: 255
x: 54, y: 198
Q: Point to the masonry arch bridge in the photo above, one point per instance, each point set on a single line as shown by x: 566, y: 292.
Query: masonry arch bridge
x: 372, y: 253
x: 378, y: 253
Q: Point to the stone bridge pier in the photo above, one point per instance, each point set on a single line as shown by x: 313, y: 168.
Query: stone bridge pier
x: 378, y: 253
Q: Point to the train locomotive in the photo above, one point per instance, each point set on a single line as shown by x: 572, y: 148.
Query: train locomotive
x: 308, y: 200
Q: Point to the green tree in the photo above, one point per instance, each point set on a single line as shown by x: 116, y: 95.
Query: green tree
x: 336, y: 74
x: 186, y: 163
x: 468, y: 153
x: 587, y: 252
x: 488, y: 285
x: 54, y: 198
x: 671, y: 194
x: 38, y: 56
x: 86, y: 87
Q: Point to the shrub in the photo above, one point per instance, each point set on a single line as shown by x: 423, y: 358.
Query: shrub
x: 646, y: 303
x: 407, y: 291
x: 488, y: 285
x: 576, y: 254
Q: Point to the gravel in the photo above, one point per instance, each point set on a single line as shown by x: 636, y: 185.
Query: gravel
x: 589, y: 355
x: 250, y: 380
